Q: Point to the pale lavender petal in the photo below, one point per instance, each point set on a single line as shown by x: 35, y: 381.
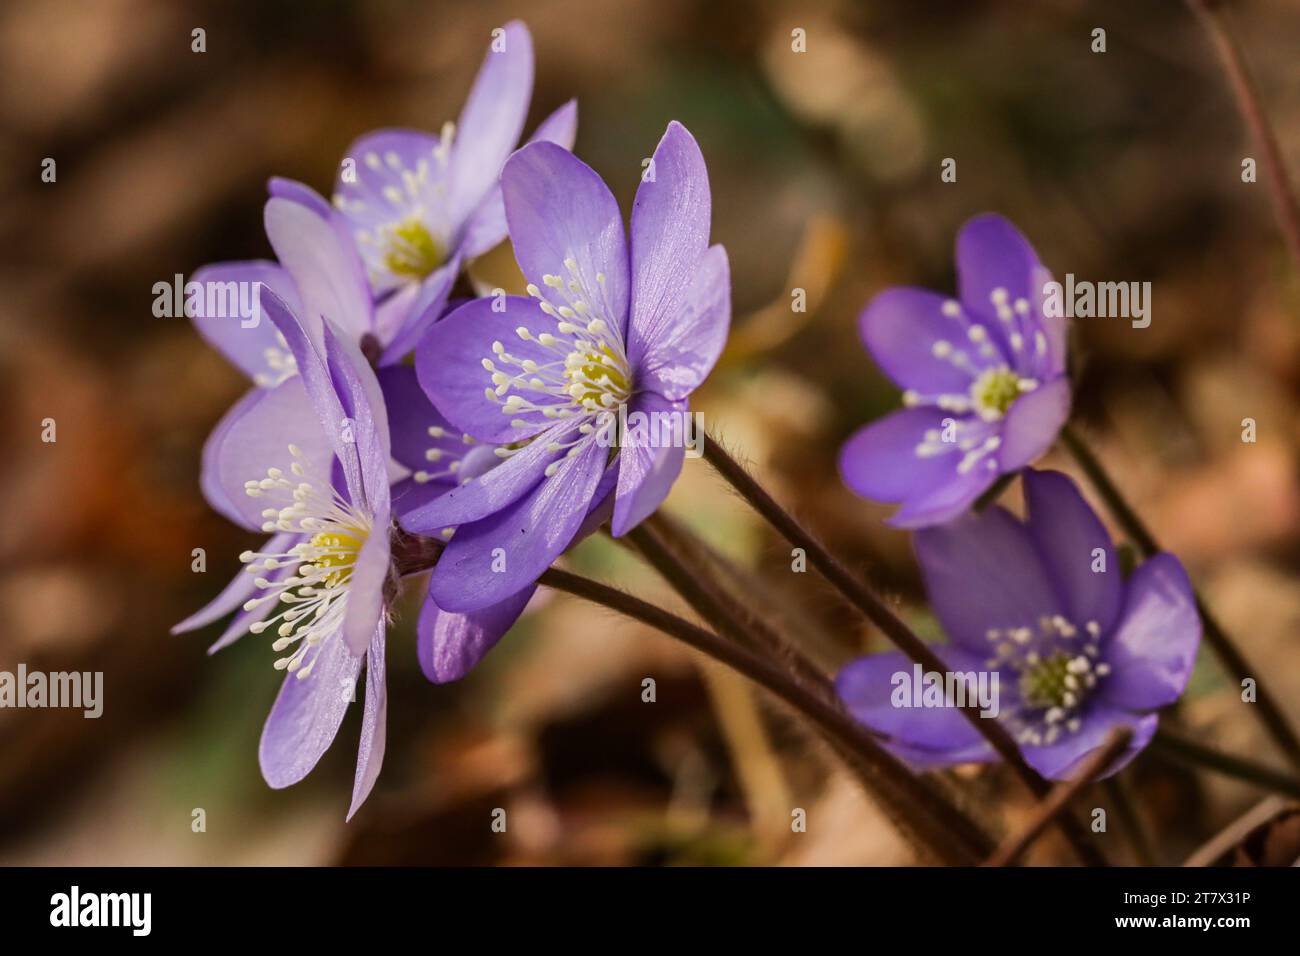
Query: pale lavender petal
x: 306, y: 715
x: 649, y: 459
x: 1069, y: 536
x: 564, y: 223
x: 487, y: 226
x: 449, y: 363
x: 392, y: 313
x: 923, y: 349
x: 324, y: 264
x: 530, y: 534
x: 234, y: 594
x: 374, y: 722
x: 1061, y: 760
x: 994, y: 258
x: 300, y: 193
x: 683, y: 348
x: 670, y: 232
x: 1153, y: 649
x: 924, y: 736
x: 214, y: 492
x: 982, y: 572
x: 425, y: 309
x: 496, y: 489
x: 945, y: 501
x: 449, y: 645
x: 228, y: 314
x: 1032, y: 424
x: 259, y: 440
x: 880, y: 461
x: 492, y: 120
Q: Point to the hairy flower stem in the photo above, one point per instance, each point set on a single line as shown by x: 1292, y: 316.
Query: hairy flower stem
x: 674, y: 546
x: 1060, y: 796
x: 943, y: 830
x: 1243, y: 88
x: 1198, y: 755
x: 911, y: 802
x: 893, y: 628
x: 1233, y: 661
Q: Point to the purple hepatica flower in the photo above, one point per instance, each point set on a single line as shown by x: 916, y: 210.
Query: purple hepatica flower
x: 609, y: 324
x: 418, y: 205
x: 1041, y: 604
x: 983, y: 378
x: 318, y: 483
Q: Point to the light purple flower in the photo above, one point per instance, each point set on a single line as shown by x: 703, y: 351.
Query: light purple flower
x: 1041, y: 604
x: 983, y: 377
x: 609, y: 323
x: 418, y: 205
x: 308, y: 465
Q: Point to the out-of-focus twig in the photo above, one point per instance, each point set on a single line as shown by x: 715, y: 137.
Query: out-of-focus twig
x: 1191, y: 753
x: 1235, y: 832
x: 1247, y: 96
x: 1060, y: 796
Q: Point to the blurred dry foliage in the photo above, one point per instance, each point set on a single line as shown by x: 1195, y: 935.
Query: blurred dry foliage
x: 1119, y: 166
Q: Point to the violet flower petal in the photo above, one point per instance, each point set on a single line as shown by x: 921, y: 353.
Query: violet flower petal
x: 1152, y: 650
x: 531, y: 534
x: 982, y: 572
x: 1068, y: 535
x: 565, y: 223
x: 670, y: 231
x: 450, y: 645
x: 306, y: 715
x: 374, y: 723
x: 645, y: 473
x: 1060, y: 761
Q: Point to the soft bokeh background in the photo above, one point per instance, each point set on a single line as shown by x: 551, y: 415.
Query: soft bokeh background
x: 825, y: 173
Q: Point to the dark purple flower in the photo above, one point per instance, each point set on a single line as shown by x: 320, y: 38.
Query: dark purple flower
x: 308, y: 465
x: 983, y: 378
x: 418, y: 205
x: 609, y: 324
x: 1042, y: 605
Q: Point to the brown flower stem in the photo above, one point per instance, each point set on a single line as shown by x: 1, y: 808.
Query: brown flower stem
x: 1060, y: 796
x: 943, y: 830
x: 673, y: 550
x: 891, y: 625
x: 1248, y: 103
x: 898, y: 790
x: 1232, y: 659
x: 1192, y: 754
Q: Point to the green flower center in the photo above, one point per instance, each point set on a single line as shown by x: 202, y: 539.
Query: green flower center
x: 335, y: 553
x: 995, y: 391
x: 593, y: 374
x: 1044, y: 684
x: 411, y: 250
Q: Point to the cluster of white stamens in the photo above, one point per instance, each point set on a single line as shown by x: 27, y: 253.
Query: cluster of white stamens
x: 449, y: 461
x: 993, y: 388
x: 280, y: 363
x: 403, y: 246
x: 1058, y: 667
x: 312, y: 576
x: 589, y: 373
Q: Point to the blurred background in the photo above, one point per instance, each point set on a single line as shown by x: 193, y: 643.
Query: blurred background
x: 825, y: 173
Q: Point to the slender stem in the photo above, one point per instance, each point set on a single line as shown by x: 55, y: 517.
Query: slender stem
x: 1232, y: 659
x: 902, y: 793
x: 893, y: 627
x: 1118, y: 791
x: 1060, y: 796
x: 1243, y: 88
x: 930, y: 821
x: 684, y: 562
x: 1198, y: 755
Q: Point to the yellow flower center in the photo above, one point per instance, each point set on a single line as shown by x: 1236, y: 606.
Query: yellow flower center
x: 412, y: 250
